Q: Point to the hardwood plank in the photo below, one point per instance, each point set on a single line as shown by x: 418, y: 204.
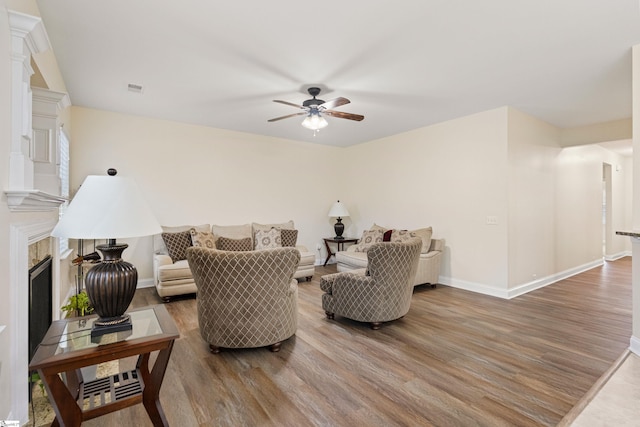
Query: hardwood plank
x: 457, y: 358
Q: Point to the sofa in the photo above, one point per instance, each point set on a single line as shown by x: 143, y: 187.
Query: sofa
x: 355, y: 257
x: 246, y: 299
x: 172, y: 275
x: 376, y: 294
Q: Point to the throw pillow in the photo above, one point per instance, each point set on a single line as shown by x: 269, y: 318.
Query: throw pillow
x: 238, y: 245
x: 289, y: 237
x: 369, y: 237
x: 202, y: 239
x: 423, y: 233
x: 268, y: 239
x: 177, y: 244
x: 387, y: 236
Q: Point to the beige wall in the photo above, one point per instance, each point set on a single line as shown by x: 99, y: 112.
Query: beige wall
x: 450, y: 176
x: 533, y: 148
x: 194, y: 174
x: 500, y: 163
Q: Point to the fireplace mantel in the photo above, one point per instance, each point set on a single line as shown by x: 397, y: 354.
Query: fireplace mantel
x: 32, y: 201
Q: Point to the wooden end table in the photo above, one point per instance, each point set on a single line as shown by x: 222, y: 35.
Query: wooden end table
x: 340, y: 243
x: 68, y: 346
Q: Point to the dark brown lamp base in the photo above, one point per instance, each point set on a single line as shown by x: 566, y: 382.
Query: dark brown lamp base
x: 338, y: 228
x: 111, y: 286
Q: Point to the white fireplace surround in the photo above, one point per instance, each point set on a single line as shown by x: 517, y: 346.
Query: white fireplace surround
x: 22, y: 235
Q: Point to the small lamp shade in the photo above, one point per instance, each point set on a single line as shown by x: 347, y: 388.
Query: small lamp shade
x: 338, y: 210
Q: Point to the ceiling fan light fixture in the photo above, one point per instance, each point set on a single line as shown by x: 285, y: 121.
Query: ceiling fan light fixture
x: 315, y: 121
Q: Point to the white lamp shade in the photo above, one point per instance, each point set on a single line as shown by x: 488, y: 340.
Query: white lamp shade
x: 107, y: 207
x: 338, y: 210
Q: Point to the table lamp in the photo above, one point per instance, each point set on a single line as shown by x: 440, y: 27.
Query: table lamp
x: 338, y: 210
x: 109, y: 207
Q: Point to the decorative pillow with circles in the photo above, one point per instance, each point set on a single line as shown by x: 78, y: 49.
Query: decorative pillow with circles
x: 369, y: 237
x: 202, y: 239
x: 423, y: 233
x: 268, y: 239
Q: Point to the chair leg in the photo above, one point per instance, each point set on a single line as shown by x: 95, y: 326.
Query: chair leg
x: 166, y: 299
x: 275, y: 347
x: 309, y: 278
x: 330, y: 315
x: 213, y: 349
x: 375, y: 325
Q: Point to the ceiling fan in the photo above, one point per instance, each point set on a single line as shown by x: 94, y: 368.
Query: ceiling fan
x: 315, y: 109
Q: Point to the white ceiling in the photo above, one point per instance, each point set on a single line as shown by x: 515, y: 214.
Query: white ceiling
x: 403, y: 64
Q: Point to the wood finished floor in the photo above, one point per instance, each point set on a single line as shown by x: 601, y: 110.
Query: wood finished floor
x: 456, y: 359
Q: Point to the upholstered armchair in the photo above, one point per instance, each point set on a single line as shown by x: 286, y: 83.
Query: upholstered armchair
x: 245, y: 299
x: 381, y: 294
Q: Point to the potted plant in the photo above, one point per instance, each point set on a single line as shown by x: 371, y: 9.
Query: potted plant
x: 78, y: 303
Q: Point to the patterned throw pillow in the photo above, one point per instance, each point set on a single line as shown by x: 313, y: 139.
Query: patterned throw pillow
x: 202, y: 239
x: 268, y: 239
x: 369, y: 237
x: 423, y: 233
x: 289, y: 237
x: 238, y: 245
x: 177, y: 244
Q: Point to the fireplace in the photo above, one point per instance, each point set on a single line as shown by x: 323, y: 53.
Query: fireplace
x: 22, y: 236
x: 40, y: 302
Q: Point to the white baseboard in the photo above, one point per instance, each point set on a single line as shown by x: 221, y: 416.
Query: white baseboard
x: 634, y: 345
x: 521, y: 289
x: 473, y: 287
x: 617, y: 256
x: 145, y: 283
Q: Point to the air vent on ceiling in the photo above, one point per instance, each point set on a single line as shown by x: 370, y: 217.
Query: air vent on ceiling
x: 134, y: 88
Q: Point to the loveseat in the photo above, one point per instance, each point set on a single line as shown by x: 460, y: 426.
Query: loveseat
x: 171, y: 272
x: 355, y: 257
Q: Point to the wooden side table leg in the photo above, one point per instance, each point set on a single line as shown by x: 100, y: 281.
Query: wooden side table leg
x: 329, y: 253
x: 153, y: 382
x: 68, y: 414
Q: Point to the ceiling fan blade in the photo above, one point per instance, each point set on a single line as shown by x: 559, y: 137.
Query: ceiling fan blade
x: 286, y: 117
x: 333, y: 103
x: 341, y: 115
x: 288, y: 103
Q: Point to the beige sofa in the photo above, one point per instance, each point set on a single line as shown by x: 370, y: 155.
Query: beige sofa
x: 355, y: 257
x: 173, y: 278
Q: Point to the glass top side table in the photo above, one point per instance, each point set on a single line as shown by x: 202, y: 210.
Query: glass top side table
x: 68, y: 346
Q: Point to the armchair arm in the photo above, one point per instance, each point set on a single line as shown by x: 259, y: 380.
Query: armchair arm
x: 350, y: 283
x: 327, y: 281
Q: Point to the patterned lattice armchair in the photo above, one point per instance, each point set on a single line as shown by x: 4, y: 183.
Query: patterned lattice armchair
x: 245, y: 299
x: 380, y: 295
